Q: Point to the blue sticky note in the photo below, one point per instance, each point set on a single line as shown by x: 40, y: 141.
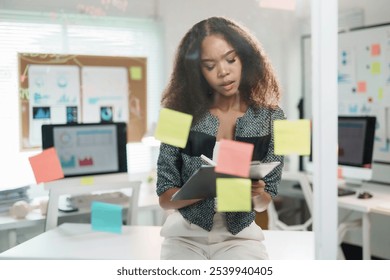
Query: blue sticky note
x: 106, y: 217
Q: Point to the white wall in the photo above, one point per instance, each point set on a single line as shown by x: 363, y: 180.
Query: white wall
x: 278, y: 31
x: 375, y: 12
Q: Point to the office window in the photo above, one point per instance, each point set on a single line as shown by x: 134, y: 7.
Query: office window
x: 66, y: 34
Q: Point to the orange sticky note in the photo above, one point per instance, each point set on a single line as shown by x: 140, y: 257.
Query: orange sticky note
x: 339, y: 173
x: 46, y: 166
x: 234, y: 158
x: 361, y: 86
x: 375, y: 49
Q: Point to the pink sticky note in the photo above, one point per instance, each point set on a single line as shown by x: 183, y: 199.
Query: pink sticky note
x: 361, y: 87
x: 46, y: 166
x: 234, y: 158
x: 375, y: 49
x: 339, y: 173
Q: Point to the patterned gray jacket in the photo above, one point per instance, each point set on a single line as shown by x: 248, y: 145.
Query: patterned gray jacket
x: 176, y: 165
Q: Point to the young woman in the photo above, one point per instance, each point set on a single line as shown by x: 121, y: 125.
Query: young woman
x: 223, y: 78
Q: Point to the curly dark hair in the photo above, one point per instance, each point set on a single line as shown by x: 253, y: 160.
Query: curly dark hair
x: 189, y: 92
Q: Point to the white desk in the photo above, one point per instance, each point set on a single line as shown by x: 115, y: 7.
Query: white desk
x: 148, y: 201
x: 78, y: 241
x: 381, y: 195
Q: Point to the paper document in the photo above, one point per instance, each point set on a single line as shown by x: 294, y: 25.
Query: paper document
x: 208, y: 161
x: 259, y: 169
x: 202, y: 184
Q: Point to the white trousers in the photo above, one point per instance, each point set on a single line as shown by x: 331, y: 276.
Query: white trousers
x: 186, y: 241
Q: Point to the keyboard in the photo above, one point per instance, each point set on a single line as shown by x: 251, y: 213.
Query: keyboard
x: 343, y: 191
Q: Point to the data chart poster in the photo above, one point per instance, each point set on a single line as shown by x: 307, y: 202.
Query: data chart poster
x: 105, y: 94
x: 52, y: 89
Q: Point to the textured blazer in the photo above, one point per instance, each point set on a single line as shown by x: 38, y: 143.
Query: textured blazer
x: 176, y: 165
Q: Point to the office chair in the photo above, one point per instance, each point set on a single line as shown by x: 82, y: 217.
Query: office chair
x: 73, y: 186
x: 274, y: 223
x: 343, y: 228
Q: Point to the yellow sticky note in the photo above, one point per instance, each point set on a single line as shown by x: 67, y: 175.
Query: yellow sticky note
x: 375, y: 68
x: 86, y: 181
x: 136, y: 73
x: 173, y: 127
x: 380, y: 93
x: 292, y: 137
x: 234, y: 195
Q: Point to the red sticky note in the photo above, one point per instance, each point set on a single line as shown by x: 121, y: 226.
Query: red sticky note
x: 361, y: 86
x: 375, y: 49
x: 46, y: 166
x: 234, y: 158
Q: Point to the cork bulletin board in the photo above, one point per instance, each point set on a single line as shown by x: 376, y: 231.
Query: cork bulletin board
x: 57, y: 88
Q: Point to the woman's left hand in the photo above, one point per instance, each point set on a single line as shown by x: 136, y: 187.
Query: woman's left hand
x: 260, y: 197
x: 258, y: 187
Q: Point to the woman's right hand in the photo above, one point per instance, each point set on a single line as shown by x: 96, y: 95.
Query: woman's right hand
x: 166, y: 203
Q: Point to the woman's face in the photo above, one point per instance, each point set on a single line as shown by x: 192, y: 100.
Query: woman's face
x: 220, y: 65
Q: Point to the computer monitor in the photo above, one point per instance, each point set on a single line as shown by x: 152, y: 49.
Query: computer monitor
x: 355, y: 147
x: 89, y: 148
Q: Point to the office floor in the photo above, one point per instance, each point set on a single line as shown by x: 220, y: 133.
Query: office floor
x: 291, y: 211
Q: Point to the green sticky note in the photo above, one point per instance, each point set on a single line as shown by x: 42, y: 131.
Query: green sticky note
x: 380, y: 93
x: 173, y: 127
x: 234, y: 195
x: 106, y: 217
x: 136, y: 73
x: 375, y: 68
x: 292, y: 137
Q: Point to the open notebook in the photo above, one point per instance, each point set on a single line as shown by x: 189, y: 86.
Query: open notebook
x: 202, y: 184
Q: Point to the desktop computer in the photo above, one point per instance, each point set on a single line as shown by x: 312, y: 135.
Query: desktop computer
x: 355, y: 152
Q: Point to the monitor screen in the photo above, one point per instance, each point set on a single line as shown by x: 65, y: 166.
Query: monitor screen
x: 355, y: 148
x: 356, y: 140
x: 88, y: 149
